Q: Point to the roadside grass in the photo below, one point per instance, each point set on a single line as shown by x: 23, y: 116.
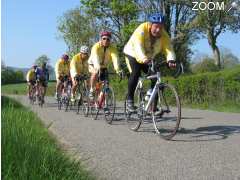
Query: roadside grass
x: 29, y: 152
x: 21, y: 89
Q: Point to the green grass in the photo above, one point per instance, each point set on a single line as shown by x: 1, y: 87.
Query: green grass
x: 29, y: 152
x: 21, y: 89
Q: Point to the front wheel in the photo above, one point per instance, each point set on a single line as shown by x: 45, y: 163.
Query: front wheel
x: 167, y: 118
x: 135, y: 119
x: 109, y: 105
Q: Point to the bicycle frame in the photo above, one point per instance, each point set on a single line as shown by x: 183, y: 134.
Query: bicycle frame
x: 151, y: 99
x: 102, y: 90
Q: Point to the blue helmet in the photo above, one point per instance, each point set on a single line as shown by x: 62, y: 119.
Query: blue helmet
x: 156, y: 18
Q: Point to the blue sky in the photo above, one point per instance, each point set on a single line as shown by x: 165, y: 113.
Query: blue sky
x: 29, y: 29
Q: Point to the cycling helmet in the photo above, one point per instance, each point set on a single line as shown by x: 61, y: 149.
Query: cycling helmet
x: 106, y: 33
x: 65, y: 57
x: 156, y: 18
x: 34, y: 66
x: 84, y: 49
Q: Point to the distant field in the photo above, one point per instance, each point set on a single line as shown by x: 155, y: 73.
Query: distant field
x: 21, y: 89
x: 29, y: 152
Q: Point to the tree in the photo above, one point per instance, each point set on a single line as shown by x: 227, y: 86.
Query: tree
x: 205, y: 65
x: 116, y: 16
x: 41, y: 59
x: 228, y: 59
x: 77, y: 29
x: 214, y: 22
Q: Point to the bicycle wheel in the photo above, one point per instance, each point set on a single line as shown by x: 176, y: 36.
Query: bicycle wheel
x: 135, y: 119
x: 66, y: 102
x: 85, y: 103
x: 93, y: 106
x: 167, y: 120
x: 109, y: 105
x: 79, y: 100
x: 59, y: 103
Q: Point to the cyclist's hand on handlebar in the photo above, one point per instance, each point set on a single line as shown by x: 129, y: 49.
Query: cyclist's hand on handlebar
x: 121, y: 74
x: 147, y: 61
x: 172, y: 64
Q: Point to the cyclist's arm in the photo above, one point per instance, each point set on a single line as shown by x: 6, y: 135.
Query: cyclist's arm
x: 139, y: 45
x: 58, y: 70
x: 73, y: 67
x: 95, y: 59
x: 167, y: 48
x: 48, y: 75
x: 115, y: 59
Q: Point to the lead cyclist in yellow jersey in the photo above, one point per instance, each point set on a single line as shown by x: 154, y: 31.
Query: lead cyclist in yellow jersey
x: 148, y: 40
x: 78, y: 67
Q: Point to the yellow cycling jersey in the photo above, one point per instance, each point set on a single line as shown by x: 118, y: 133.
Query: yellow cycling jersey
x: 62, y: 68
x: 78, y: 66
x: 101, y: 56
x: 31, y: 75
x: 139, y: 45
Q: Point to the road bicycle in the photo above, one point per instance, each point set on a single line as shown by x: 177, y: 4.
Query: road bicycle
x: 64, y: 98
x: 81, y: 94
x: 32, y: 94
x: 104, y: 99
x: 39, y: 92
x: 162, y: 106
x: 36, y: 93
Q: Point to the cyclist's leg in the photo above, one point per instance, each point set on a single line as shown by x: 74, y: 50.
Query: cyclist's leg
x: 30, y: 87
x: 59, y: 86
x: 93, y: 78
x: 135, y: 72
x: 74, y: 87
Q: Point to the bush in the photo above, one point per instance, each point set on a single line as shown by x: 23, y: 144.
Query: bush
x: 210, y: 88
x: 207, y: 65
x: 9, y: 76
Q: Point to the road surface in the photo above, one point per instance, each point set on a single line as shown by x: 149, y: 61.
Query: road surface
x: 207, y: 146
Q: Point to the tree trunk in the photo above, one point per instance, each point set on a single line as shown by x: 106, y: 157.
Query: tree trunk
x: 212, y: 42
x: 217, y: 56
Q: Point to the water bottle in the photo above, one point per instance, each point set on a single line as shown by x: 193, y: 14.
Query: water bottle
x: 148, y: 94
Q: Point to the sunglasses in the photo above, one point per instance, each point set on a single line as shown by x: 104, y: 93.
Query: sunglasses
x: 106, y: 39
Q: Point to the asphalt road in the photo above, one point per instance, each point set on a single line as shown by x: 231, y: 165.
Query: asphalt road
x: 206, y: 147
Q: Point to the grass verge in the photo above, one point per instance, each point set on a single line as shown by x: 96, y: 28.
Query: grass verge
x: 29, y: 152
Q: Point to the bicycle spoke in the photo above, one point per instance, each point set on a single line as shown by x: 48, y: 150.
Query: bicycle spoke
x: 167, y: 118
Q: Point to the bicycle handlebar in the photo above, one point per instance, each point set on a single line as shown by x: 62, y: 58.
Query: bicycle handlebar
x: 155, y: 67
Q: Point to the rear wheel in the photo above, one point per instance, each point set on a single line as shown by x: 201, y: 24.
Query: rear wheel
x: 167, y: 120
x: 109, y: 105
x: 59, y: 104
x: 66, y: 103
x: 85, y: 103
x: 135, y: 119
x: 93, y: 107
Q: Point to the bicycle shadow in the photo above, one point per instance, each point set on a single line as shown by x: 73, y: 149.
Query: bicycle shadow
x: 208, y: 133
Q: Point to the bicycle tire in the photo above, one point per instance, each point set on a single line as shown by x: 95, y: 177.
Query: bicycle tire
x: 167, y: 122
x: 109, y: 115
x: 134, y: 119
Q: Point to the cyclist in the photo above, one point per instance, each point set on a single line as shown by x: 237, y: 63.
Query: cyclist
x: 78, y: 66
x: 101, y: 54
x: 45, y: 79
x: 31, y: 79
x: 62, y: 71
x: 148, y: 40
x: 40, y: 79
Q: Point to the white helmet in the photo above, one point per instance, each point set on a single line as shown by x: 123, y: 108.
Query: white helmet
x: 84, y: 49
